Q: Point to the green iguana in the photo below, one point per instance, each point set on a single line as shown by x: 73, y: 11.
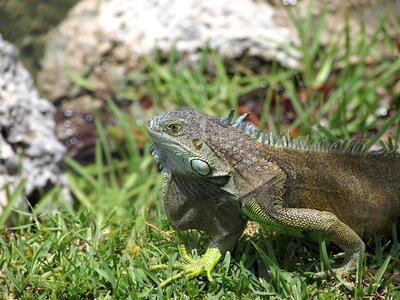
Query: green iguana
x: 219, y: 174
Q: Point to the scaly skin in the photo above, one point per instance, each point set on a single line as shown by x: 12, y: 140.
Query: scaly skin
x: 218, y: 176
x: 193, y: 267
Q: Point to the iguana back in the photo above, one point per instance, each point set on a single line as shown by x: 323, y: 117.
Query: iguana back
x: 362, y: 190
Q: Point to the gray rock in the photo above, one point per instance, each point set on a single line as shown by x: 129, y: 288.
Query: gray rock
x: 108, y: 38
x: 232, y: 29
x: 28, y: 146
x: 103, y: 40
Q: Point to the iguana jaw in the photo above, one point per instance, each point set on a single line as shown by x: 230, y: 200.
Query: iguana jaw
x: 156, y: 147
x: 159, y: 153
x: 158, y: 158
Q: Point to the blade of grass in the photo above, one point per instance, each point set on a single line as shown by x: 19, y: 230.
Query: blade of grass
x: 12, y: 198
x: 383, y: 130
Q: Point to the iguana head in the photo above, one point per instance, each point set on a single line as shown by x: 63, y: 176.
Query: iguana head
x: 179, y: 143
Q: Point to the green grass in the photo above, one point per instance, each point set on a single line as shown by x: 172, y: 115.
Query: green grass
x: 104, y: 245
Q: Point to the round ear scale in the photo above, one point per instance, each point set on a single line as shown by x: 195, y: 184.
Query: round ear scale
x: 197, y: 144
x: 200, y: 167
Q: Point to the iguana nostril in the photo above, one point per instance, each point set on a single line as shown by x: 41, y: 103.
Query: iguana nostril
x: 153, y: 123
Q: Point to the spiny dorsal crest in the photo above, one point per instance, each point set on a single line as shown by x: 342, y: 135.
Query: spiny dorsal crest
x: 286, y: 141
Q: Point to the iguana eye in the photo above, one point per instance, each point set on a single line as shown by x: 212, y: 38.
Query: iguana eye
x: 174, y: 127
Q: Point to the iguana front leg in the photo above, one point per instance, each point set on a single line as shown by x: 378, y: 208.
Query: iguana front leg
x: 319, y: 224
x: 193, y: 267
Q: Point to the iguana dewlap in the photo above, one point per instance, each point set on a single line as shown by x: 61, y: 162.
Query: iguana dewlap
x: 219, y: 175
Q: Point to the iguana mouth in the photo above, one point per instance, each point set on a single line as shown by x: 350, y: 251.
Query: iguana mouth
x: 155, y: 152
x: 157, y: 157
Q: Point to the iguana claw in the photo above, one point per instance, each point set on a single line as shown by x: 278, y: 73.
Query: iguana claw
x: 193, y: 267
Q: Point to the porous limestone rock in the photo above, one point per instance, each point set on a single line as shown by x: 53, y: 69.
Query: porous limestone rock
x: 104, y: 40
x: 28, y: 146
x: 231, y: 28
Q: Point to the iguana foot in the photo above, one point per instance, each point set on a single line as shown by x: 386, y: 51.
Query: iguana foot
x: 193, y: 267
